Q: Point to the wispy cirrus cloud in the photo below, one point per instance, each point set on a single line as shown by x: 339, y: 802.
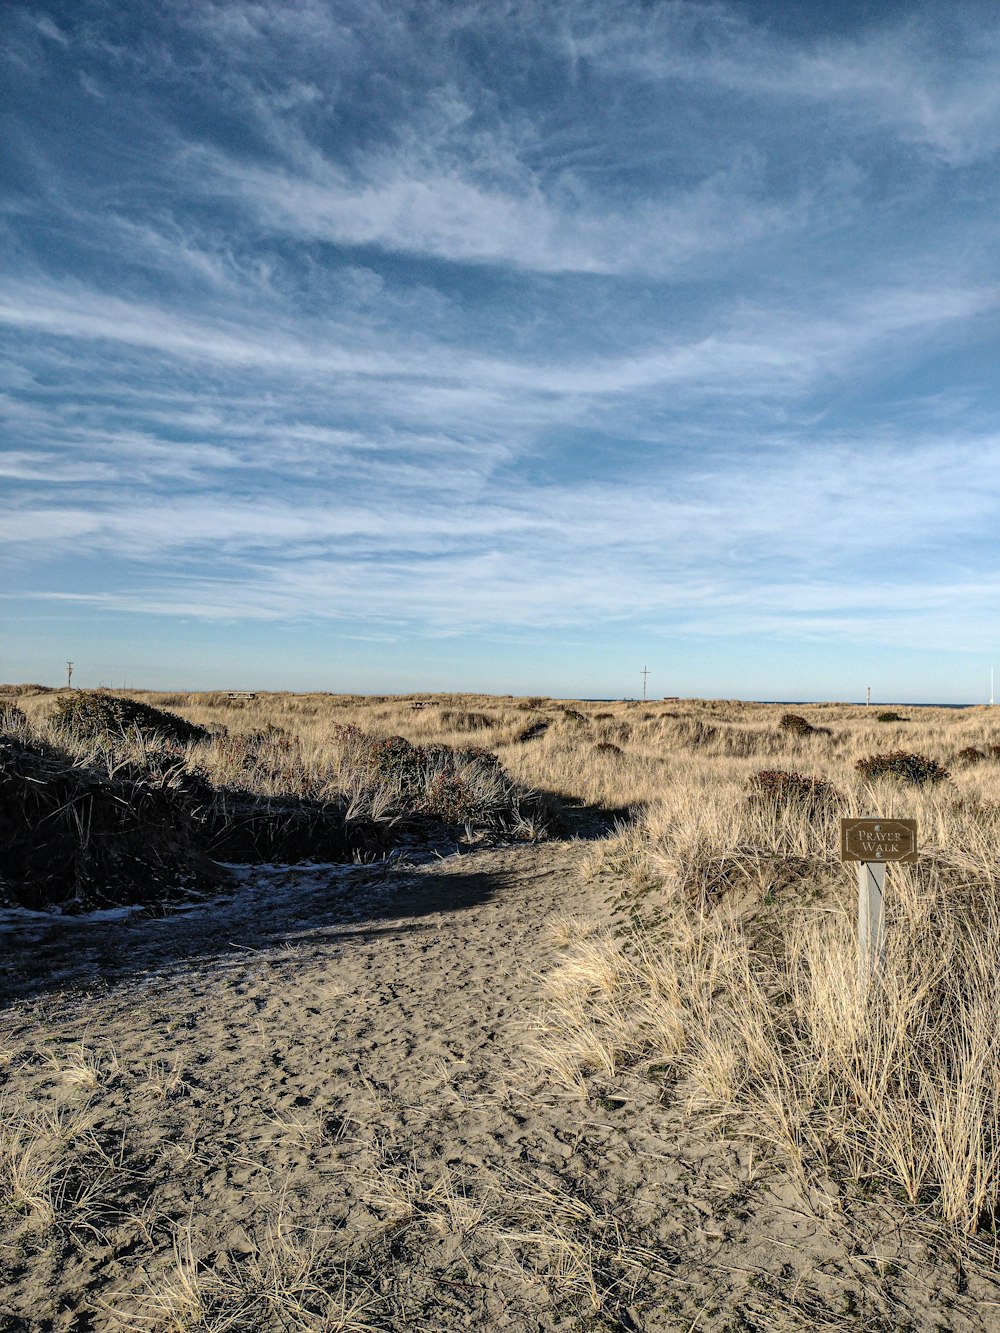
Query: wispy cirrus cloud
x: 406, y: 204
x: 927, y: 76
x: 764, y: 350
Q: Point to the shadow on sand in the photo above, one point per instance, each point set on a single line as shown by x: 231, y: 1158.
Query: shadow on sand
x: 300, y: 907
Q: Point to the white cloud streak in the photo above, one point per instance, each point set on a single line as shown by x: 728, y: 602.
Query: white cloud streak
x: 762, y: 351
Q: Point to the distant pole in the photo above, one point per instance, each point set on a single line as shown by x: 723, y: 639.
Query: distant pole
x: 69, y: 675
x: 645, y: 673
x: 991, y: 685
x: 868, y: 697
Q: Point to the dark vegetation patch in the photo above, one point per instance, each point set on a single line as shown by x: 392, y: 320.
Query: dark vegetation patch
x: 97, y: 715
x: 971, y: 755
x: 533, y: 730
x: 889, y: 716
x: 787, y: 788
x: 460, y: 720
x: 974, y: 754
x: 74, y: 836
x: 608, y: 747
x: 250, y: 829
x: 919, y: 769
x: 797, y: 725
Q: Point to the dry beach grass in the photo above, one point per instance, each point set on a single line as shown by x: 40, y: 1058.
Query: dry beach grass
x: 604, y: 1063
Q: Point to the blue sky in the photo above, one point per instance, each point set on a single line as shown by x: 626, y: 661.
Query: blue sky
x: 502, y: 346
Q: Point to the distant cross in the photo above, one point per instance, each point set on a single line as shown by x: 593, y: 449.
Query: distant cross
x: 69, y: 675
x: 645, y: 673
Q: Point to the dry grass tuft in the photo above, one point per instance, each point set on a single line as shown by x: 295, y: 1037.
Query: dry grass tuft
x: 295, y: 1279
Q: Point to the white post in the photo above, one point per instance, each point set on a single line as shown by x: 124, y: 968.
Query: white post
x: 871, y: 918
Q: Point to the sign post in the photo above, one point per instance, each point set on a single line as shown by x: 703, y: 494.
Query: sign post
x: 872, y: 843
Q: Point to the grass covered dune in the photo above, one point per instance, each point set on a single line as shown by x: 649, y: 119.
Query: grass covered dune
x: 603, y: 1061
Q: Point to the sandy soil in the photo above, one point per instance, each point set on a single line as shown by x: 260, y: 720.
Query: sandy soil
x: 317, y: 1106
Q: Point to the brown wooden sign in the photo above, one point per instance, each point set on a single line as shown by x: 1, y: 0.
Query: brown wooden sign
x: 878, y: 839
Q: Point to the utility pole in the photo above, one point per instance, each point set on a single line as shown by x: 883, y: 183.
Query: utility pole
x: 645, y: 673
x: 69, y: 675
x: 868, y: 697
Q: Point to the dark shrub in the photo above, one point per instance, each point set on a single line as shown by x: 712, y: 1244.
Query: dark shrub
x: 796, y: 724
x: 383, y: 758
x: 574, y: 715
x: 917, y: 768
x: 258, y: 830
x: 533, y: 730
x: 97, y: 715
x: 970, y: 755
x: 394, y: 758
x: 891, y: 717
x: 450, y: 798
x: 775, y: 784
x: 74, y: 836
x: 607, y: 747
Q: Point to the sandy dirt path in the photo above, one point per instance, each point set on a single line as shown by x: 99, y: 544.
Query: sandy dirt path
x: 316, y: 1106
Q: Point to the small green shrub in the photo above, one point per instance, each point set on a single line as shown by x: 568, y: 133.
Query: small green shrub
x: 392, y: 758
x: 890, y: 716
x: 916, y: 768
x: 785, y: 788
x: 97, y: 715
